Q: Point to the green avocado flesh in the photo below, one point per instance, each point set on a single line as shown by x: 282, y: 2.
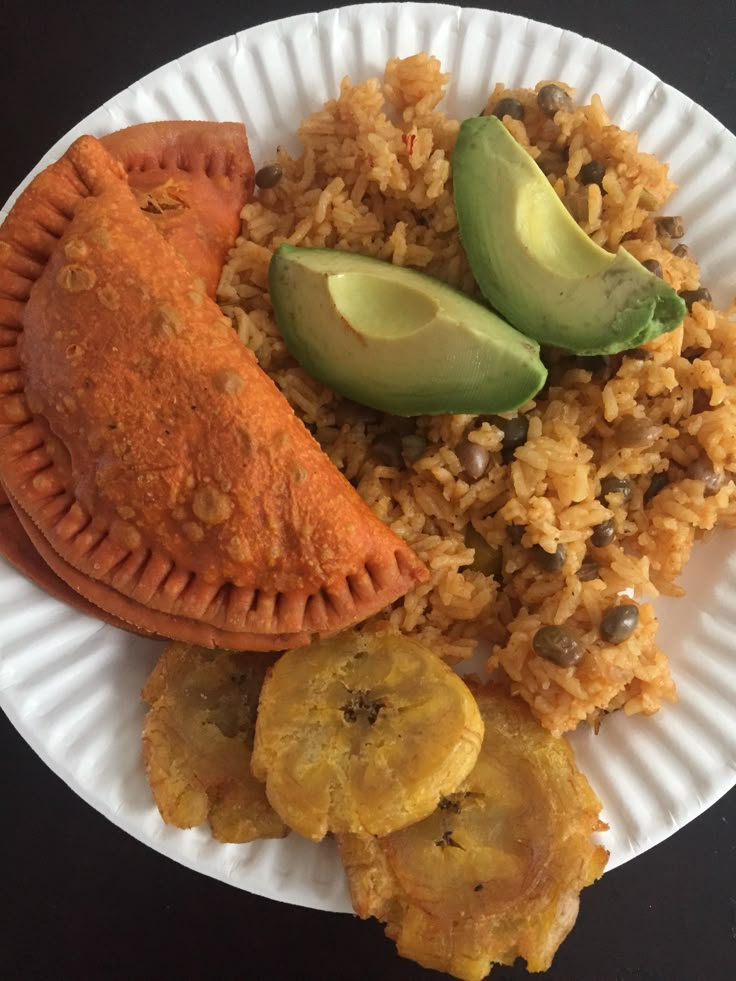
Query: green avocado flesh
x: 396, y: 339
x: 536, y: 266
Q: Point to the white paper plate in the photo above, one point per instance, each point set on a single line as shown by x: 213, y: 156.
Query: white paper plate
x: 71, y: 687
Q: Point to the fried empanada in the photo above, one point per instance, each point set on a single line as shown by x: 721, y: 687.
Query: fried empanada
x: 198, y: 738
x: 496, y: 871
x: 191, y: 179
x: 17, y: 548
x: 362, y: 733
x: 155, y: 467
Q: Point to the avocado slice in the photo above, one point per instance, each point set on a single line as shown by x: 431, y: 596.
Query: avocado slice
x: 536, y: 266
x: 397, y: 339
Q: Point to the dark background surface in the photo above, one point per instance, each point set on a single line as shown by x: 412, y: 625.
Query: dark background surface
x: 79, y: 898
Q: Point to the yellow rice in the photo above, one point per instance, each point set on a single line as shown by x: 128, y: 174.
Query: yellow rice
x: 374, y: 176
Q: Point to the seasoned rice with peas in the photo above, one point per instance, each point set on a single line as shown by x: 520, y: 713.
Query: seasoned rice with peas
x: 592, y: 493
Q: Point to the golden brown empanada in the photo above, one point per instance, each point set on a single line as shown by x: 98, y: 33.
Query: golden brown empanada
x: 156, y: 468
x: 18, y: 549
x: 192, y: 180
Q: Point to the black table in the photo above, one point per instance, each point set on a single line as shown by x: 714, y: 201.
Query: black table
x: 82, y: 900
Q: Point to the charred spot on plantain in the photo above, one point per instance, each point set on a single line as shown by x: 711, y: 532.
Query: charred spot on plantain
x: 75, y: 278
x: 211, y: 505
x: 447, y: 841
x: 450, y: 804
x: 361, y: 707
x: 478, y: 888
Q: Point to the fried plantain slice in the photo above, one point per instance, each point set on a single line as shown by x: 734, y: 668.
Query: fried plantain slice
x: 197, y: 742
x: 362, y: 733
x: 496, y: 871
